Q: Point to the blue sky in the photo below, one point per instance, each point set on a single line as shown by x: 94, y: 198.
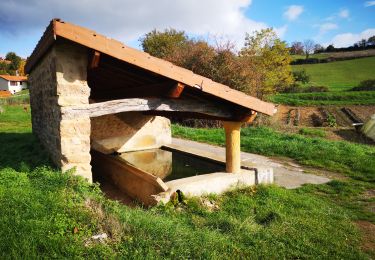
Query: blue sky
x: 338, y: 22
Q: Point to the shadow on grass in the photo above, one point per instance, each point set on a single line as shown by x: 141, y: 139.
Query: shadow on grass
x: 352, y: 135
x: 22, y: 152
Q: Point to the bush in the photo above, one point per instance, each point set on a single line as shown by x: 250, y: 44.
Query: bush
x: 296, y: 88
x: 311, y: 89
x: 301, y: 76
x: 365, y: 85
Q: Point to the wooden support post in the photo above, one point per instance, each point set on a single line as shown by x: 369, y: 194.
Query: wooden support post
x: 233, y: 149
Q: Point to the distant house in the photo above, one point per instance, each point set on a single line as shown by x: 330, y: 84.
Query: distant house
x: 13, y: 83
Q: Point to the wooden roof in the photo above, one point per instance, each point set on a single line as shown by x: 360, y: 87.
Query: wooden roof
x: 139, y: 59
x: 13, y: 78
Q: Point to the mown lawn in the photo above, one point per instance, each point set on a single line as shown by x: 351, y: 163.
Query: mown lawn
x: 340, y: 75
x: 48, y: 214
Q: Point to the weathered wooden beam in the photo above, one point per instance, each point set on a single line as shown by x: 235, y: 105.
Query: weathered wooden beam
x: 176, y: 90
x: 146, y: 104
x: 95, y: 60
x: 249, y: 118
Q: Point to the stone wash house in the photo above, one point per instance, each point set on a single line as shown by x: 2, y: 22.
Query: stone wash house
x: 92, y: 93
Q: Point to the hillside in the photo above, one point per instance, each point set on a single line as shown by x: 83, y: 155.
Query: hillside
x: 341, y: 54
x: 340, y: 75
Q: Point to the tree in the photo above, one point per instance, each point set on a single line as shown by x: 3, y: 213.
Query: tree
x: 330, y: 48
x: 318, y: 48
x: 362, y: 43
x: 221, y: 64
x: 261, y: 68
x: 163, y: 44
x: 371, y: 40
x: 15, y: 61
x: 269, y: 60
x: 296, y: 48
x: 308, y: 47
x: 21, y: 68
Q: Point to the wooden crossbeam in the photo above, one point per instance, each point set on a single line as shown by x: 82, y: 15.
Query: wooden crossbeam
x: 176, y: 90
x: 95, y: 60
x: 146, y: 104
x: 249, y: 118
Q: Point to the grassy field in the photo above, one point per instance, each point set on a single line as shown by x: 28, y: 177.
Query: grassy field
x: 325, y: 98
x: 311, y: 56
x: 47, y: 214
x: 317, y: 152
x: 340, y: 75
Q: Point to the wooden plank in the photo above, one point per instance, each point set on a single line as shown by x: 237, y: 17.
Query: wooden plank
x: 145, y: 104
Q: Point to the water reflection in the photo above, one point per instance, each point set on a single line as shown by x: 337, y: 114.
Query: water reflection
x: 169, y: 165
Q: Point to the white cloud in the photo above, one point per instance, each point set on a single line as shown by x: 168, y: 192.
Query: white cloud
x: 348, y: 39
x: 369, y: 3
x: 280, y: 31
x: 325, y: 27
x: 344, y: 13
x: 293, y: 12
x: 127, y: 20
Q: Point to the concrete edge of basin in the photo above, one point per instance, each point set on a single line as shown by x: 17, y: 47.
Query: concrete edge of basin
x: 216, y: 183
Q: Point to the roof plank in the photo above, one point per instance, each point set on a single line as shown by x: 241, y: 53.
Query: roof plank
x: 143, y: 60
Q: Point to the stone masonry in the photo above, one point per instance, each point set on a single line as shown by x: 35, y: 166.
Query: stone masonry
x: 59, y: 80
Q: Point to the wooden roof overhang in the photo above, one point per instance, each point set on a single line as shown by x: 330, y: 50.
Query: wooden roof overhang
x: 118, y: 72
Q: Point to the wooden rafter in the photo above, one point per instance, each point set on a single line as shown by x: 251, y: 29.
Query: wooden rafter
x: 95, y: 60
x: 176, y: 90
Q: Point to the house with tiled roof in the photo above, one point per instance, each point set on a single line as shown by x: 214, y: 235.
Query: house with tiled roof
x: 13, y: 84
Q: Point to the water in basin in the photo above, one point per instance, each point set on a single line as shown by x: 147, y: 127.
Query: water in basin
x: 169, y: 165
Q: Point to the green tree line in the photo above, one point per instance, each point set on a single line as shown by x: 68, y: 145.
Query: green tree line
x: 261, y: 67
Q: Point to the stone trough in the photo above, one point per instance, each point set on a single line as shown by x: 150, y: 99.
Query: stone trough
x: 148, y: 176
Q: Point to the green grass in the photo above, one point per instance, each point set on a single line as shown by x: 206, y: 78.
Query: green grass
x: 340, y: 75
x: 49, y: 214
x: 325, y: 98
x: 354, y: 160
x: 312, y: 132
x: 311, y: 56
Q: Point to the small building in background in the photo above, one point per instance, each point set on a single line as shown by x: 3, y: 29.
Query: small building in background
x: 13, y: 84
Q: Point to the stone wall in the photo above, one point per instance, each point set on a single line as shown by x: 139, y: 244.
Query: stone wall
x: 45, y: 112
x: 57, y: 81
x: 129, y: 131
x: 60, y: 80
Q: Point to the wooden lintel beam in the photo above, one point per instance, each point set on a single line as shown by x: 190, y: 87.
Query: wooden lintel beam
x: 145, y: 104
x: 176, y: 90
x: 249, y: 118
x: 94, y: 63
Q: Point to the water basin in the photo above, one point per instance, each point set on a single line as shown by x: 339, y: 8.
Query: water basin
x: 170, y: 165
